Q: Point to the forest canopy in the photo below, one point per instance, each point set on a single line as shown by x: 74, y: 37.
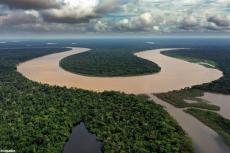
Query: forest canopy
x: 108, y: 62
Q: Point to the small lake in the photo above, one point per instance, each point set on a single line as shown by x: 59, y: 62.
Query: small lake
x: 82, y: 141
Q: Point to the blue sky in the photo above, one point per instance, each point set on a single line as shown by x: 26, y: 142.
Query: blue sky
x: 79, y: 17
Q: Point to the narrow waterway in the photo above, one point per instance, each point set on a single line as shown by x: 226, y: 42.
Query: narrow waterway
x: 175, y: 74
x: 205, y: 140
x: 82, y: 141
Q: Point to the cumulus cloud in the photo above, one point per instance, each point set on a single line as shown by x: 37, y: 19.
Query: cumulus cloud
x: 220, y: 20
x: 105, y: 6
x: 189, y: 23
x: 146, y: 18
x: 72, y: 12
x: 101, y: 26
x: 75, y: 11
x: 31, y: 4
x: 114, y: 15
x: 190, y: 2
x: 143, y: 22
x: 66, y: 11
x: 19, y: 18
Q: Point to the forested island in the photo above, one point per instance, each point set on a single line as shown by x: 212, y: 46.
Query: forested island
x: 110, y: 57
x: 107, y: 62
x: 38, y: 118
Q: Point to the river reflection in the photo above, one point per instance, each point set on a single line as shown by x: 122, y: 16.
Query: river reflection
x: 82, y: 141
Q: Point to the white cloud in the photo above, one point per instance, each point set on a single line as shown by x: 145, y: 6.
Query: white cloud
x: 156, y: 28
x: 146, y: 18
x: 116, y: 15
x: 101, y: 26
x: 72, y: 11
x: 220, y: 20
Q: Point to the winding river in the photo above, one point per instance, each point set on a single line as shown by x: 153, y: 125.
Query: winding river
x: 175, y: 74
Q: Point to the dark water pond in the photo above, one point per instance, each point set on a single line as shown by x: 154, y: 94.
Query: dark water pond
x: 82, y: 141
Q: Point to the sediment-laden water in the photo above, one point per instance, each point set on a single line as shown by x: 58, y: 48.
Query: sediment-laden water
x: 175, y: 74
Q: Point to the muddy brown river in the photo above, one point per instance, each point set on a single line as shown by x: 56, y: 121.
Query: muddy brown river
x: 223, y: 101
x: 175, y: 74
x: 204, y: 139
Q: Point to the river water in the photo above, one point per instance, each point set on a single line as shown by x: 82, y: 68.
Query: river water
x: 82, y: 141
x: 204, y: 139
x: 223, y: 101
x: 175, y: 74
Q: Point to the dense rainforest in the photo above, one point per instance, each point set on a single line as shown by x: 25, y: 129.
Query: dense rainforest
x: 38, y: 118
x: 108, y: 61
x: 100, y: 62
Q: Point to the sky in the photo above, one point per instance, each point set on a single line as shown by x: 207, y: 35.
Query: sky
x: 111, y: 17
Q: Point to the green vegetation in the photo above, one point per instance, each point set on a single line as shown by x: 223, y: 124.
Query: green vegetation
x: 38, y: 118
x: 213, y: 120
x: 178, y: 99
x: 108, y: 62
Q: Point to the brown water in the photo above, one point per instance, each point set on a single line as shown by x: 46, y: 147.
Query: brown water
x: 205, y: 140
x: 223, y: 101
x: 175, y: 74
